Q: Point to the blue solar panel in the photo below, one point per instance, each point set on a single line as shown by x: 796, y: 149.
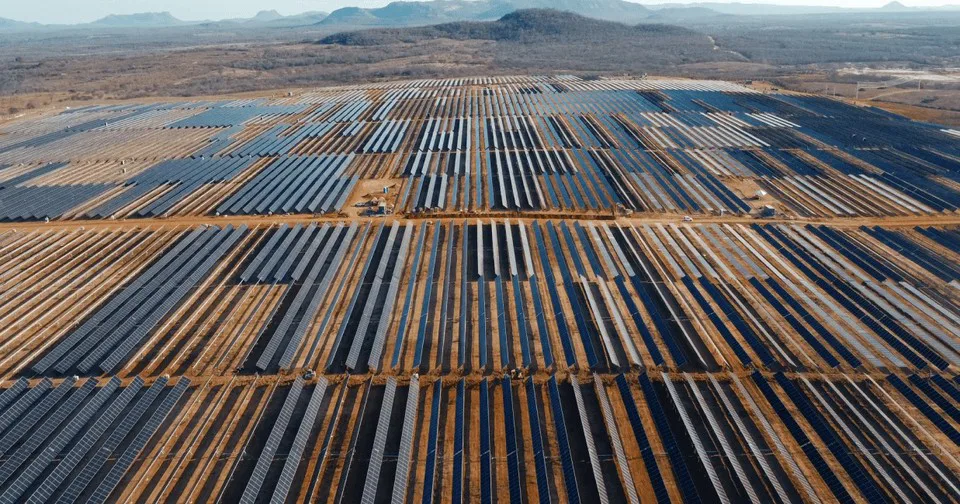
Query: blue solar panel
x: 566, y: 458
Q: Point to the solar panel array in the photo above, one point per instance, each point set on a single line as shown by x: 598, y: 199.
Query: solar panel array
x: 54, y: 460
x: 507, y: 338
x: 481, y: 146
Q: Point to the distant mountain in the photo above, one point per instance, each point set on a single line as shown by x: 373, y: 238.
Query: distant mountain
x: 442, y: 11
x: 748, y: 9
x: 265, y: 16
x: 535, y: 40
x: 305, y: 18
x: 895, y: 6
x: 410, y: 13
x: 429, y: 12
x: 274, y: 18
x: 681, y: 14
x: 611, y: 10
x: 759, y: 9
x: 12, y: 24
x: 141, y: 20
x: 540, y: 25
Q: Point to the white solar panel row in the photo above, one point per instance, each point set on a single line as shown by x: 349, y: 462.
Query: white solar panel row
x: 697, y: 443
x: 134, y: 338
x: 379, y: 443
x: 614, y: 433
x: 371, y: 302
x: 295, y: 455
x: 722, y: 440
x: 376, y: 350
x: 265, y: 459
x: 286, y: 322
x: 406, y: 441
x: 293, y: 345
x: 591, y: 443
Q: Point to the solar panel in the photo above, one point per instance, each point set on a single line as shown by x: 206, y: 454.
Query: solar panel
x: 359, y: 334
x: 722, y: 439
x: 36, y: 468
x: 614, y: 434
x: 376, y: 350
x: 406, y: 442
x: 66, y: 345
x: 120, y: 323
x: 511, y: 256
x: 11, y: 393
x: 566, y: 458
x: 123, y: 463
x: 273, y: 345
x: 480, y: 251
x: 513, y: 457
x: 660, y: 418
x: 38, y: 436
x: 853, y: 467
x: 117, y: 435
x: 695, y: 438
x: 486, y: 480
x: 558, y: 312
x: 427, y: 295
x: 281, y: 251
x: 748, y: 437
x: 936, y: 397
x: 286, y: 358
x: 527, y: 256
x: 458, y: 443
x: 463, y: 348
x: 429, y: 471
x: 20, y: 408
x: 590, y: 441
x: 309, y: 253
x: 353, y: 301
x: 496, y: 247
x: 295, y: 455
x: 280, y: 275
x: 263, y: 254
x: 134, y: 338
x: 77, y: 454
x: 379, y: 443
x: 536, y: 440
x: 266, y: 457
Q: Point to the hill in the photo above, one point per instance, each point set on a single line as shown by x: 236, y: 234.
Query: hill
x: 13, y: 24
x: 141, y: 20
x: 408, y: 13
x: 398, y: 14
x: 265, y: 16
x: 549, y: 39
x: 528, y: 25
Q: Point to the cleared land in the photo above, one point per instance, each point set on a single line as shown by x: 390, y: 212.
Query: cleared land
x: 534, y: 321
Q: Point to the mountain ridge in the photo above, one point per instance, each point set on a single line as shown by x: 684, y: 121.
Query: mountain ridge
x: 429, y: 12
x: 518, y: 26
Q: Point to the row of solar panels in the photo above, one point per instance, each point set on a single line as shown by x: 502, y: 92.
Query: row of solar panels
x: 77, y: 440
x: 721, y: 438
x: 501, y: 295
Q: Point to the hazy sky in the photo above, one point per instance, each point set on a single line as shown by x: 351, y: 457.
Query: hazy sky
x: 76, y: 11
